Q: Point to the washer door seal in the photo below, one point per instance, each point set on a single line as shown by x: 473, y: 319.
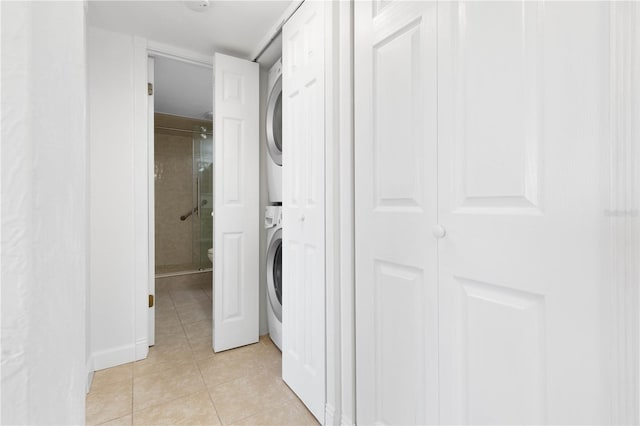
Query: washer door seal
x: 274, y: 273
x: 274, y: 122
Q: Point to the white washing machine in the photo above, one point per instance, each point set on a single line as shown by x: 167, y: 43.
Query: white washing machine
x: 274, y: 133
x: 273, y: 224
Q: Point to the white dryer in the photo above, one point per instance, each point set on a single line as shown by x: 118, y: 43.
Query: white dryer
x: 273, y: 132
x: 273, y: 224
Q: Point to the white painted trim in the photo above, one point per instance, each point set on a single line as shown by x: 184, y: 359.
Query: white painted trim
x: 346, y: 421
x: 347, y: 216
x: 332, y: 217
x: 340, y: 311
x: 151, y: 201
x: 114, y: 357
x: 141, y: 195
x: 156, y: 48
x: 275, y: 29
x: 329, y: 415
x: 144, y: 184
x: 623, y: 213
x: 142, y: 349
x: 90, y: 372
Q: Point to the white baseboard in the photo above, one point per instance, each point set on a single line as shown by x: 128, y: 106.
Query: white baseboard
x: 90, y: 371
x: 329, y: 414
x: 345, y: 421
x: 142, y: 349
x: 114, y: 357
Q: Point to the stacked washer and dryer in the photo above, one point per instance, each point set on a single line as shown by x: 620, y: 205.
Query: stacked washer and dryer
x: 273, y: 212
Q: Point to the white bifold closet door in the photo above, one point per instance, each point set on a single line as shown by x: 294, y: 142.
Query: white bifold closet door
x: 236, y: 212
x: 478, y: 297
x: 396, y: 272
x: 303, y: 228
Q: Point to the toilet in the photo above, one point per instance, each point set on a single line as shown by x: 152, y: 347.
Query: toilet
x: 210, y: 254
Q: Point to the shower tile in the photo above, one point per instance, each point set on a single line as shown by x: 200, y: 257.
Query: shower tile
x: 195, y: 409
x: 248, y: 396
x: 111, y: 401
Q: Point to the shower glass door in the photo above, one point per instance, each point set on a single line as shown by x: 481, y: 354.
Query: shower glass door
x: 202, y: 195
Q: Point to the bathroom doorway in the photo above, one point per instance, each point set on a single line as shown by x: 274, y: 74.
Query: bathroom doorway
x: 181, y: 204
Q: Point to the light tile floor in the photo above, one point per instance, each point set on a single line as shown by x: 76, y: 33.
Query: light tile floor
x: 183, y: 382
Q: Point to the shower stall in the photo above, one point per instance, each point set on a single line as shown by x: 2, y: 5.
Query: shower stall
x: 183, y: 178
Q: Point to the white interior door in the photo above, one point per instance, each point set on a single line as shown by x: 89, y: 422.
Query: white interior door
x: 501, y: 323
x: 519, y: 132
x: 303, y: 324
x: 236, y: 219
x: 151, y: 192
x: 396, y: 271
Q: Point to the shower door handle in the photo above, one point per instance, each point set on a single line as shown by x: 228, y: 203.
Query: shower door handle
x: 198, y: 193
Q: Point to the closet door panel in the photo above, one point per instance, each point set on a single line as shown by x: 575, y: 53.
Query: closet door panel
x: 303, y: 229
x: 519, y: 265
x: 395, y: 178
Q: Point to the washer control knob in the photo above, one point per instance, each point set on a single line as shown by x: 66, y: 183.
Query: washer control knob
x: 439, y: 231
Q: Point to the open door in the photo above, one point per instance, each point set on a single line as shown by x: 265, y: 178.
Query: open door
x: 236, y: 212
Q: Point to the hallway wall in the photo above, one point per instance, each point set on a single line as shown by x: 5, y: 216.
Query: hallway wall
x: 117, y: 141
x: 44, y: 213
x: 112, y: 205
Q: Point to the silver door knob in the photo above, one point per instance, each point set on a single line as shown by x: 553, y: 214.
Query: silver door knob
x: 439, y: 231
x: 301, y: 218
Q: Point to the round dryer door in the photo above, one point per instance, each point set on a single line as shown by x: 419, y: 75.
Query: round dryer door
x: 274, y: 274
x: 274, y: 123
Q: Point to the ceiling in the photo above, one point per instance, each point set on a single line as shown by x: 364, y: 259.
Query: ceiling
x: 181, y: 88
x: 232, y: 27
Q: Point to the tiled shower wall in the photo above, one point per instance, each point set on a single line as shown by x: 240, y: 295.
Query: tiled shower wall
x: 174, y: 188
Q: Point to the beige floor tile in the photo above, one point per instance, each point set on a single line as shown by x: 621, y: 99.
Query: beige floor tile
x: 168, y: 329
x: 199, y: 330
x: 184, y: 297
x: 231, y: 365
x: 120, y: 421
x: 290, y: 414
x: 248, y: 396
x: 195, y: 409
x: 174, y: 382
x: 107, y: 376
x: 148, y: 367
x: 201, y: 349
x: 171, y: 348
x: 112, y: 401
x: 195, y: 312
x: 271, y: 358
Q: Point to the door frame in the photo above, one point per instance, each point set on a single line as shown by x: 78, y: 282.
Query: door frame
x: 621, y: 208
x: 143, y: 157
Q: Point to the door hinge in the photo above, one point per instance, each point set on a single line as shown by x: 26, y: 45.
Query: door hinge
x: 151, y: 300
x: 150, y: 89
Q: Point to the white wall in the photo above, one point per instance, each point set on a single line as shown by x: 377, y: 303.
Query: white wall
x: 112, y: 269
x: 117, y: 143
x: 44, y: 212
